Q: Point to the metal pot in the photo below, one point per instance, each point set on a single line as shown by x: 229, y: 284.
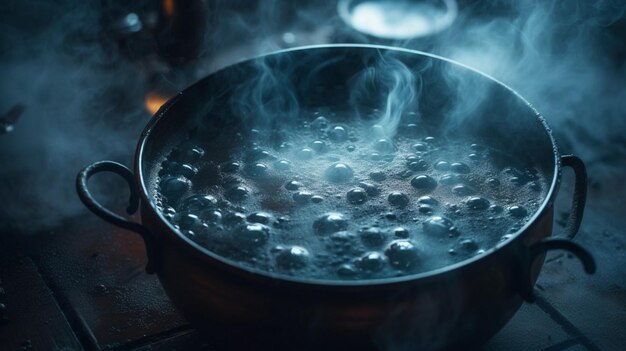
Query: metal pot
x: 461, y: 305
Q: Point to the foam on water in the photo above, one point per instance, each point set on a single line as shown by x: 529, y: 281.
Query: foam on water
x: 338, y: 201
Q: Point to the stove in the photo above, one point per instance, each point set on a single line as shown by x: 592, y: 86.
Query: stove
x: 69, y: 281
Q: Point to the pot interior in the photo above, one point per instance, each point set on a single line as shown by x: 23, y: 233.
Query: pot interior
x: 280, y: 90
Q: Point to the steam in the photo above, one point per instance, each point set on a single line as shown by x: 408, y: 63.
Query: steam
x: 84, y: 99
x: 70, y: 85
x: 392, y: 87
x: 267, y: 94
x: 554, y: 54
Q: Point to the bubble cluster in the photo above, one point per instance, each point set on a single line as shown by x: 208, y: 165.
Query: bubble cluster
x: 327, y: 199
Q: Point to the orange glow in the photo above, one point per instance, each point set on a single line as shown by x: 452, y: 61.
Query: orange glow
x: 168, y: 8
x: 154, y: 101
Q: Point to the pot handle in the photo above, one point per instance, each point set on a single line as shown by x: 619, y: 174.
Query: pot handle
x: 539, y: 248
x: 571, y: 229
x: 106, y: 214
x: 580, y: 194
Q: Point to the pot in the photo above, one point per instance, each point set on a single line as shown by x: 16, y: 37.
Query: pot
x: 457, y: 306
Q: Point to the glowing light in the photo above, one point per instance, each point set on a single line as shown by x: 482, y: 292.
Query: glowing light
x: 399, y: 19
x: 154, y: 102
x: 168, y: 8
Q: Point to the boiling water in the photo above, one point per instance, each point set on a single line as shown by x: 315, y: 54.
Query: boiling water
x: 337, y: 201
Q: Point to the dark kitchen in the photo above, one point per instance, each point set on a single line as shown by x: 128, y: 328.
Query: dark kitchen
x: 387, y: 175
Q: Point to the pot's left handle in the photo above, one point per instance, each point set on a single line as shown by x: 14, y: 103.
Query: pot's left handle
x: 109, y: 216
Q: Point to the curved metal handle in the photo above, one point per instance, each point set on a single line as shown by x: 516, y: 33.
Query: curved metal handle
x: 542, y: 247
x: 580, y: 194
x: 104, y: 213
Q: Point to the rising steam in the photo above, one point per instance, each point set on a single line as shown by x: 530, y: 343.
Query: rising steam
x: 391, y: 88
x: 55, y: 62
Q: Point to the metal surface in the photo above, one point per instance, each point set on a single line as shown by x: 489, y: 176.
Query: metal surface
x: 457, y: 306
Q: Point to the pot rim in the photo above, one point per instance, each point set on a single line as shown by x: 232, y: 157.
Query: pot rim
x: 205, y: 254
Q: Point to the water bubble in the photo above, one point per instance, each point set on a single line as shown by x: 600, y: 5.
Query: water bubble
x: 305, y: 154
x: 419, y: 147
x: 237, y: 193
x: 462, y: 190
x: 390, y: 216
x: 430, y: 139
x: 193, y: 154
x: 477, y: 203
x: 442, y: 166
x: 496, y: 208
x: 284, y: 146
x: 173, y: 187
x: 377, y: 131
x: 506, y: 237
x: 213, y: 217
x: 472, y: 156
x: 375, y: 156
x: 449, y: 179
x: 256, y: 153
x: 350, y: 148
x: 517, y: 211
x: 424, y: 182
x: 378, y: 176
x: 196, y: 203
x: 370, y: 189
x: 356, y: 196
x: 418, y: 166
x: 384, y: 146
x: 293, y: 185
x: 426, y: 209
x: 233, y: 218
x: 259, y: 217
x: 342, y: 236
x: 467, y: 246
x: 320, y: 123
x: 460, y: 168
x: 294, y: 257
x: 493, y: 182
x: 330, y: 223
x: 372, y: 261
x: 257, y: 170
x: 437, y: 225
x: 338, y: 134
x: 401, y: 232
x: 186, y: 170
x: 427, y: 200
x: 517, y: 180
x: 231, y: 167
x: 397, y: 198
x: 372, y: 236
x: 338, y: 173
x: 319, y: 146
x: 169, y: 212
x: 282, y: 165
x: 402, y: 254
x: 346, y: 270
x: 316, y: 199
x: 186, y: 221
x: 302, y: 197
x: 250, y: 236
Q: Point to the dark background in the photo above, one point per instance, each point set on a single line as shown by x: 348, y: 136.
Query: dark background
x: 75, y: 79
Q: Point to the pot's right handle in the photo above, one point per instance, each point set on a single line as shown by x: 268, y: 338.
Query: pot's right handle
x: 106, y: 214
x: 571, y: 229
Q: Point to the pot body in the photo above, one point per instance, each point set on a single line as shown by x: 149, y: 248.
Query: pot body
x: 455, y: 309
